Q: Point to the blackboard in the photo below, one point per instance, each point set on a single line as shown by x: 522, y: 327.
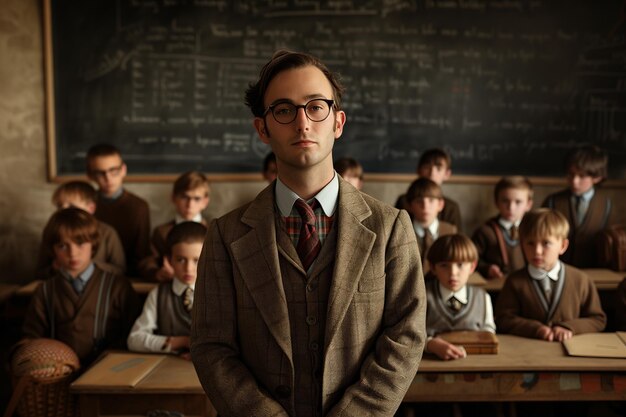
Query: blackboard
x: 506, y: 86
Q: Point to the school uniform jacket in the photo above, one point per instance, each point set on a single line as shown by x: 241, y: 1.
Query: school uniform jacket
x: 444, y: 229
x: 374, y: 327
x: 521, y: 308
x: 129, y: 215
x: 582, y: 250
x: 97, y: 319
x: 489, y: 251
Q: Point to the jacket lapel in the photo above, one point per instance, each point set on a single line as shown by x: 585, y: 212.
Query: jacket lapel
x: 256, y: 257
x: 354, y: 244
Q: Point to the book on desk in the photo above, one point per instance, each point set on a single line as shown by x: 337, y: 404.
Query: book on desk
x: 597, y: 345
x: 119, y: 370
x: 474, y: 342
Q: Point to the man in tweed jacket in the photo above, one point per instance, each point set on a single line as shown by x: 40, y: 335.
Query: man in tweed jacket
x: 341, y: 337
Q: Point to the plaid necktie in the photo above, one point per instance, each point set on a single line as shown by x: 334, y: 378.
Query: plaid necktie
x: 188, y: 299
x: 454, y: 304
x: 308, y: 242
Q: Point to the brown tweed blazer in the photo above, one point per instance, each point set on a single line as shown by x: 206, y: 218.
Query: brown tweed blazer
x: 375, y: 328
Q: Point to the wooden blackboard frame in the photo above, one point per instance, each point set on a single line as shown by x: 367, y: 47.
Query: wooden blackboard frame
x: 53, y: 174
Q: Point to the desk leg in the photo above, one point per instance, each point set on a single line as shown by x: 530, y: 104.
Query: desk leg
x: 89, y: 405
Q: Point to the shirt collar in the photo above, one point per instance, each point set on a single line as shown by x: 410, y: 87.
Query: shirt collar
x: 179, y: 287
x: 327, y: 197
x: 197, y: 218
x: 115, y: 195
x: 507, y: 224
x: 434, y: 228
x: 460, y: 295
x: 539, y: 274
x: 83, y: 276
x: 587, y: 195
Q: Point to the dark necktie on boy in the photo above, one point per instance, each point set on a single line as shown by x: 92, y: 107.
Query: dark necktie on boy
x: 454, y: 304
x: 188, y: 298
x: 308, y: 243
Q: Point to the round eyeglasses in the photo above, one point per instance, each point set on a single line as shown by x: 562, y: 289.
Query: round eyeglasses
x: 316, y: 110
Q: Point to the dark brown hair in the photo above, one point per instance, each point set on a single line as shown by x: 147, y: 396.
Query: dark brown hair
x: 81, y: 189
x: 591, y: 160
x: 435, y: 156
x: 101, y: 149
x: 74, y: 224
x: 516, y: 182
x: 345, y: 165
x: 423, y: 187
x: 283, y: 60
x: 190, y: 180
x: 187, y: 232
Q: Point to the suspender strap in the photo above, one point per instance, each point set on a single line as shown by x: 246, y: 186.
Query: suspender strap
x: 48, y: 295
x: 102, y: 307
x: 501, y: 243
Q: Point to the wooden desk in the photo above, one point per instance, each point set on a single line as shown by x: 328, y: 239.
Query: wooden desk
x: 173, y: 385
x: 604, y: 279
x: 523, y: 370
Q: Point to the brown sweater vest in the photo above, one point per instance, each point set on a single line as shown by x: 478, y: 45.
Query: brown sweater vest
x: 495, y: 248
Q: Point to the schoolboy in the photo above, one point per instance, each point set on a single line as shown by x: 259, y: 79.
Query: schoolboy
x: 110, y: 252
x: 190, y: 196
x: 548, y: 299
x: 83, y: 306
x: 127, y: 213
x: 452, y: 304
x: 586, y: 208
x: 425, y: 202
x: 270, y: 170
x: 436, y: 165
x: 497, y: 241
x: 165, y: 323
x: 350, y: 170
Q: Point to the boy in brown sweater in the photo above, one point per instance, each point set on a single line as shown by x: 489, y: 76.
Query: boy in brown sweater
x: 110, y: 253
x: 548, y: 299
x: 128, y: 214
x: 83, y: 306
x: 497, y: 240
x: 190, y: 196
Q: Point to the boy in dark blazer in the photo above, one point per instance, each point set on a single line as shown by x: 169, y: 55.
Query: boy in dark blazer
x: 585, y: 206
x: 548, y: 299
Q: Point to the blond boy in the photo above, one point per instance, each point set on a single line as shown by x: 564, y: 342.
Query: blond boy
x: 548, y: 299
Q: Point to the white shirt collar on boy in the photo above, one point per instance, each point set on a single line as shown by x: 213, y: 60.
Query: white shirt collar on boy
x: 197, y: 218
x: 540, y: 274
x: 460, y: 295
x: 507, y: 224
x: 115, y: 195
x: 420, y: 230
x: 83, y: 276
x: 179, y: 288
x: 327, y: 197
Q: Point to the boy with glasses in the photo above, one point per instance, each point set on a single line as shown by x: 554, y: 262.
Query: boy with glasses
x: 127, y: 213
x: 310, y: 299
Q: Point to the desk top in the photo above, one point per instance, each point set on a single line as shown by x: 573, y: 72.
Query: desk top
x: 520, y: 354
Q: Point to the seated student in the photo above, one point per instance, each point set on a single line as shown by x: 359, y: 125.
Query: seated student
x: 350, y: 170
x: 548, y: 299
x: 190, y: 196
x: 425, y: 202
x: 587, y: 208
x: 497, y: 240
x: 128, y: 214
x: 83, y: 306
x: 270, y: 169
x: 436, y: 165
x: 165, y: 323
x: 620, y: 307
x: 452, y: 304
x: 110, y: 253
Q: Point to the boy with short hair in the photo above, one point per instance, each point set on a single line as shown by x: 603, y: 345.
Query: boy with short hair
x: 190, y: 196
x: 83, y: 306
x: 350, y: 170
x: 425, y: 201
x: 452, y: 304
x: 436, y: 165
x: 548, y: 299
x: 165, y: 323
x: 127, y: 213
x: 497, y: 240
x: 110, y: 252
x: 585, y: 207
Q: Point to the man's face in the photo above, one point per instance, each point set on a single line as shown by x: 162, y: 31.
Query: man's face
x: 108, y: 172
x: 301, y: 143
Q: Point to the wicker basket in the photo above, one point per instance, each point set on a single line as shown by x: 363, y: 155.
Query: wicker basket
x: 42, y: 370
